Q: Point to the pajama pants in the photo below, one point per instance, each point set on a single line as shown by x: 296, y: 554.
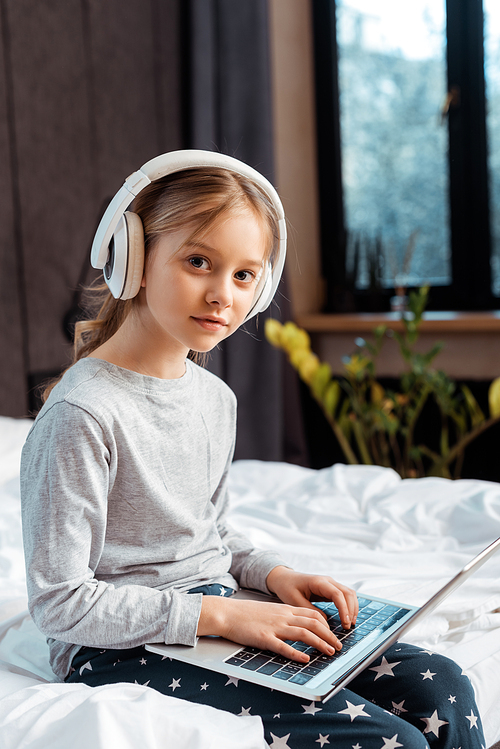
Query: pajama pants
x: 408, y: 698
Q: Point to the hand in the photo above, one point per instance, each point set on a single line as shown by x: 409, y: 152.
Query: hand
x: 300, y: 589
x: 267, y: 625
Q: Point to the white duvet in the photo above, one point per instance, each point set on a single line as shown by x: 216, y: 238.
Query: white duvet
x: 363, y: 525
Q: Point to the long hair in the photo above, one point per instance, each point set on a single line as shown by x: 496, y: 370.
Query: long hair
x: 193, y: 199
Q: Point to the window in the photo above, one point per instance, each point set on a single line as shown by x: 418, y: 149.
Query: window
x: 492, y: 75
x: 408, y: 105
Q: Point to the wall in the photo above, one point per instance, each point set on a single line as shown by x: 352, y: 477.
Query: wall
x: 468, y: 356
x: 295, y: 146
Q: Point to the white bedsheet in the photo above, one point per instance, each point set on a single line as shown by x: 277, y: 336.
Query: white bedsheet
x: 363, y: 525
x: 398, y: 539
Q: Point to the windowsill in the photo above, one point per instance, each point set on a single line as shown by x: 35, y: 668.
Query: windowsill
x: 432, y: 322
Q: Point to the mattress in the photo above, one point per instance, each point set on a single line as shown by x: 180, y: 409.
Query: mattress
x: 363, y: 525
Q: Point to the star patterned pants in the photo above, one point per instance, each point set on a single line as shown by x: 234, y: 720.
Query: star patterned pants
x: 408, y: 698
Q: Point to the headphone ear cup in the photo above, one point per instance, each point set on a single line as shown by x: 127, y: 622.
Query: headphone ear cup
x: 135, y: 255
x: 267, y: 292
x: 264, y: 294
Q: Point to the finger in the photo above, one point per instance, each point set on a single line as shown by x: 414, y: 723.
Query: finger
x: 339, y: 599
x: 303, y: 602
x: 317, y: 629
x: 352, y: 599
x: 352, y: 602
x: 320, y: 616
x: 328, y: 644
x: 344, y: 598
x: 347, y: 619
x: 314, y: 630
x: 287, y: 651
x: 306, y: 608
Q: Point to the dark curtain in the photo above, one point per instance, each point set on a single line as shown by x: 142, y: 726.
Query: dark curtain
x: 227, y: 108
x: 89, y: 91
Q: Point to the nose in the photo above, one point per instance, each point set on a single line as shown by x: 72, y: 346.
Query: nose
x: 219, y: 292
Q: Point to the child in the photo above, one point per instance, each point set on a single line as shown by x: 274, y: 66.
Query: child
x: 124, y: 481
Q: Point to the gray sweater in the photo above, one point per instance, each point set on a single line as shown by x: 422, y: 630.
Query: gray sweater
x: 124, y: 502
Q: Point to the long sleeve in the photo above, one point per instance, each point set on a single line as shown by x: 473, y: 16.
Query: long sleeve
x: 65, y: 485
x: 249, y: 565
x: 124, y: 500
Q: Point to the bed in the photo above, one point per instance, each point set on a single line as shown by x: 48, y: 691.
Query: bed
x: 362, y: 524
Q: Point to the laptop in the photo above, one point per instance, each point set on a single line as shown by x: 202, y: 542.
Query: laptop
x: 380, y: 623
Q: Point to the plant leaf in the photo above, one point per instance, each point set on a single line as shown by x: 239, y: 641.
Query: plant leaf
x: 476, y: 415
x: 377, y: 393
x: 494, y: 397
x: 272, y: 329
x: 308, y: 367
x: 430, y: 355
x: 331, y: 397
x: 320, y: 380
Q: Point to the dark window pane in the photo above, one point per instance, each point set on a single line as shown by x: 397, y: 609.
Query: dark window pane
x: 392, y: 78
x: 492, y: 76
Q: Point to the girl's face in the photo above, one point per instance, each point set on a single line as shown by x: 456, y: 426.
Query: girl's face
x: 195, y: 296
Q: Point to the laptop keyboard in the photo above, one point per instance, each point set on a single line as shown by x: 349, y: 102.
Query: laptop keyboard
x: 372, y: 615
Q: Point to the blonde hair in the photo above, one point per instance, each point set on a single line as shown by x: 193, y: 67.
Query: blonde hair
x: 193, y: 198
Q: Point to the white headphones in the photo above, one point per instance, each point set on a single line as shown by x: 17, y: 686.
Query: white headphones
x: 118, y: 246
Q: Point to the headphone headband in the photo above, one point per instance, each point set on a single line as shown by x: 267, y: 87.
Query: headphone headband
x: 177, y: 161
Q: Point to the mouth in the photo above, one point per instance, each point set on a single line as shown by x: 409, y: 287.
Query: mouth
x: 210, y: 323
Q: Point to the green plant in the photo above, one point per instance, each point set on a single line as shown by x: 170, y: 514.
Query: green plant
x: 374, y: 425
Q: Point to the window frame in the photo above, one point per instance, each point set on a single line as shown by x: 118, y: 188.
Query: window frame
x: 469, y: 214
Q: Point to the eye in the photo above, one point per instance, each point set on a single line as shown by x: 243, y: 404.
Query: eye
x: 244, y: 275
x: 200, y: 263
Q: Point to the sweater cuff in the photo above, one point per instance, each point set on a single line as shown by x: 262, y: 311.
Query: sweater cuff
x: 257, y: 569
x: 183, y: 616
